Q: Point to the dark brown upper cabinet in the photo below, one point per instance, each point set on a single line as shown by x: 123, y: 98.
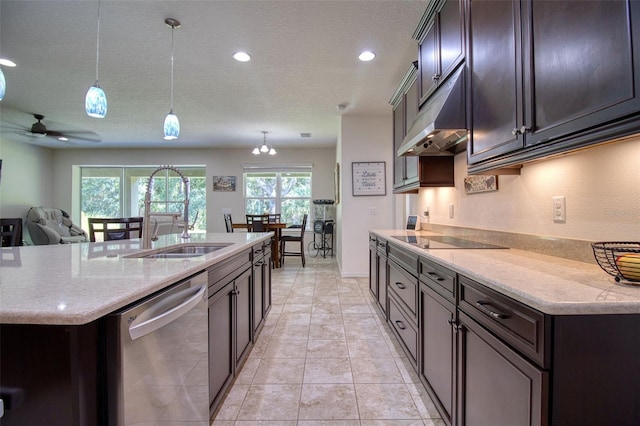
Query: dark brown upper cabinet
x: 441, y: 44
x: 549, y: 77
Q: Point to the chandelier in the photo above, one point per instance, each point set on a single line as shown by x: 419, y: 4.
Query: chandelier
x: 264, y: 149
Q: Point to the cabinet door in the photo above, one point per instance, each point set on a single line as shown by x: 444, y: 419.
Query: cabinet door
x: 411, y: 112
x: 429, y: 71
x: 266, y: 283
x: 258, y: 296
x: 382, y: 283
x: 451, y: 31
x: 496, y: 95
x: 221, y: 360
x: 496, y: 385
x: 583, y: 71
x: 438, y: 348
x: 398, y: 134
x: 243, y: 330
x: 373, y: 267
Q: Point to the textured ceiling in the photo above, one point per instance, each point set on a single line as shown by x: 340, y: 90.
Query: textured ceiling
x: 304, y: 64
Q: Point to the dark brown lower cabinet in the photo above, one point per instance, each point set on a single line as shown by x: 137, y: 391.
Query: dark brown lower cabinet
x: 438, y: 350
x: 497, y: 386
x: 382, y: 276
x: 242, y: 316
x: 221, y: 354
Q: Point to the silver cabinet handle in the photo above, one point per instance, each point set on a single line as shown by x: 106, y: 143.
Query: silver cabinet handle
x: 482, y: 305
x: 435, y: 77
x: 400, y: 286
x: 401, y: 325
x: 144, y: 327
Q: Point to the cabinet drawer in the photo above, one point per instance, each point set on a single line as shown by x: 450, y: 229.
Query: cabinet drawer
x: 405, y: 330
x: 405, y: 286
x: 441, y: 280
x: 228, y: 269
x: 519, y: 325
x: 406, y: 259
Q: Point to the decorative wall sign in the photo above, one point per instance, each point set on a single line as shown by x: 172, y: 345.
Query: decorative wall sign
x: 369, y: 178
x: 480, y: 183
x: 224, y: 183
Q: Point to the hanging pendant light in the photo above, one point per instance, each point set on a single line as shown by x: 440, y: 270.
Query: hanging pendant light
x: 95, y: 103
x: 3, y: 84
x: 264, y: 148
x: 171, y: 123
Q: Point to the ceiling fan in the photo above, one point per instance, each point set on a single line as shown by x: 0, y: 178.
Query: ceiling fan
x: 40, y: 130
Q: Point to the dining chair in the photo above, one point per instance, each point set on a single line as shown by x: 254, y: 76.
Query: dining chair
x: 228, y: 222
x: 257, y: 222
x: 293, y: 239
x: 274, y: 218
x: 11, y: 232
x: 122, y: 228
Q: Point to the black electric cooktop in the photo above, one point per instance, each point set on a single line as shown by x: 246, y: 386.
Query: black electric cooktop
x: 443, y: 242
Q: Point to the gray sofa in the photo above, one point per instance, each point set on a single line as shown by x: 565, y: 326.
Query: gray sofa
x: 53, y: 226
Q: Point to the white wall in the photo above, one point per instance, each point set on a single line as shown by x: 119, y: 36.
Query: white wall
x: 363, y: 139
x: 33, y: 176
x: 27, y: 174
x: 601, y: 186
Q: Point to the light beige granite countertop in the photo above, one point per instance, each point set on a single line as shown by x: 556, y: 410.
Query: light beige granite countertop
x: 74, y: 284
x: 549, y: 284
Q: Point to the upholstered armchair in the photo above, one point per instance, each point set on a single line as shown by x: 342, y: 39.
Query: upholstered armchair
x: 53, y: 226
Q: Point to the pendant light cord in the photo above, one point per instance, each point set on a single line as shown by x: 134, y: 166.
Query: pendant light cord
x: 172, y: 28
x: 98, y: 43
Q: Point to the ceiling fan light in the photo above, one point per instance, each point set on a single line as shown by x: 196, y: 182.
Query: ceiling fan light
x: 272, y: 151
x: 3, y: 85
x: 256, y: 151
x: 95, y: 103
x: 171, y: 126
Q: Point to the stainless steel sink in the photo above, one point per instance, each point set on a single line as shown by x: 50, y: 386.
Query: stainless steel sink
x: 182, y: 251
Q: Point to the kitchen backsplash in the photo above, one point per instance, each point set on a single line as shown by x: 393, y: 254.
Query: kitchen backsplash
x: 600, y: 186
x: 579, y: 250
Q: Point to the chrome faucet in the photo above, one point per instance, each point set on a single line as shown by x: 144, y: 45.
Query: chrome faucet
x: 148, y: 236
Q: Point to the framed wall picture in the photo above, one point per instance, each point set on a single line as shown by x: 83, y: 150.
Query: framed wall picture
x: 369, y: 178
x: 224, y: 183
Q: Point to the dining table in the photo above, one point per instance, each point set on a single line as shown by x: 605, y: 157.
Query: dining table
x: 276, y: 227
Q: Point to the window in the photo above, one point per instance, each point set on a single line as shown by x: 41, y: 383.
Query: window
x: 119, y: 192
x: 284, y: 192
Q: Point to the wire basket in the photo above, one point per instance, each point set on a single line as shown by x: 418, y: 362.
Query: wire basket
x: 621, y: 259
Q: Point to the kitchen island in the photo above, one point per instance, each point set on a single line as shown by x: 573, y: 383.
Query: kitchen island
x: 505, y: 336
x: 54, y: 301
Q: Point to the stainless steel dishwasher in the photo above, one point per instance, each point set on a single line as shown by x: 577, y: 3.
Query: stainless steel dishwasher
x: 157, y: 358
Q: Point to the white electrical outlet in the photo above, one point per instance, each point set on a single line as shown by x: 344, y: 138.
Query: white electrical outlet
x: 559, y: 209
x: 226, y: 211
x: 373, y: 211
x: 450, y: 211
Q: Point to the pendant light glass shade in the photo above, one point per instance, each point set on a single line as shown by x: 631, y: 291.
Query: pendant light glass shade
x: 171, y: 123
x: 95, y: 103
x: 264, y: 148
x: 3, y: 85
x: 171, y: 126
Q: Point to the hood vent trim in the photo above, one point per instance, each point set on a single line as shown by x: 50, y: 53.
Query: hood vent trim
x: 440, y: 128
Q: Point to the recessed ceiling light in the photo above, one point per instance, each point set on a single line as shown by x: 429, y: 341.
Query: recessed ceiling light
x: 367, y: 56
x: 241, y: 57
x: 7, y: 62
x: 63, y: 139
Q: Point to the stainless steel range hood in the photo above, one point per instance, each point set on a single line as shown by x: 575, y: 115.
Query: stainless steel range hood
x: 440, y: 128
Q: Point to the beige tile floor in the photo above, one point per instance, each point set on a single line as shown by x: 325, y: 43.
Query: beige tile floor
x: 325, y: 357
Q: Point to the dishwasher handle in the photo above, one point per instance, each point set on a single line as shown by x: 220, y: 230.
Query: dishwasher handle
x: 137, y: 331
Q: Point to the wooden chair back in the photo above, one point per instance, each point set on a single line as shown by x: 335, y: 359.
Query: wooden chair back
x: 122, y: 228
x: 11, y: 232
x: 228, y: 223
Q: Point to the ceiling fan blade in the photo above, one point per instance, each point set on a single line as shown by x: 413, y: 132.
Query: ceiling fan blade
x: 85, y: 136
